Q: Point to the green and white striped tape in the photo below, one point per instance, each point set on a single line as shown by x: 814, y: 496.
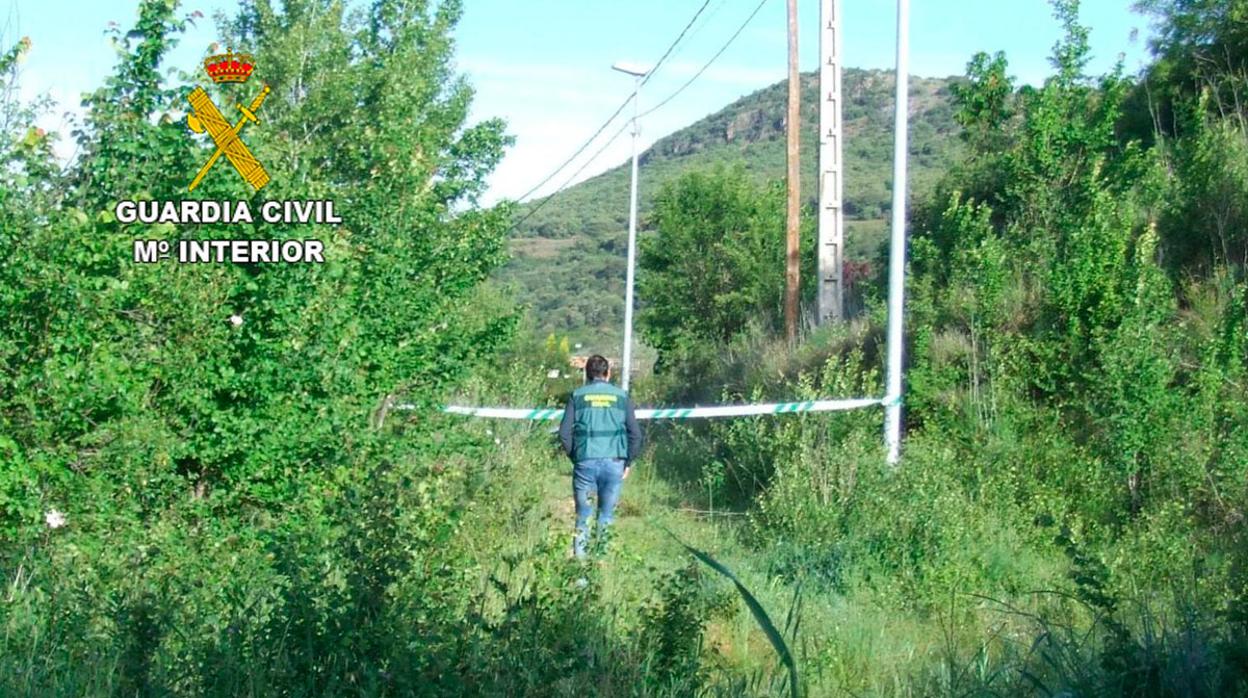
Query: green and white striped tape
x: 541, y: 414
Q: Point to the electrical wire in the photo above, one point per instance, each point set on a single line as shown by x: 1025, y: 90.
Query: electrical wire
x: 574, y: 155
x: 569, y: 180
x: 669, y: 98
x: 702, y: 70
x: 671, y: 48
x: 619, y: 109
x: 708, y: 18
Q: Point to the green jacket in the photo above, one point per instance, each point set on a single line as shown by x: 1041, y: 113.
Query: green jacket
x: 599, y: 422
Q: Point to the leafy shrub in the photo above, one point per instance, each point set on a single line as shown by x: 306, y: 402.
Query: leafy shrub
x: 239, y: 508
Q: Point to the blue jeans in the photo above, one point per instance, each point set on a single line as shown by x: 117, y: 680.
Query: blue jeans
x: 605, y: 475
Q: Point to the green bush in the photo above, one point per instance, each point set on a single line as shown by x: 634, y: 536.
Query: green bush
x: 711, y: 266
x: 204, y: 486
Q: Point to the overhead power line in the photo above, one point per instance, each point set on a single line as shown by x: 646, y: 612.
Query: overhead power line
x: 708, y: 18
x: 671, y: 48
x: 569, y: 180
x: 579, y: 150
x: 669, y: 98
x: 706, y: 65
x: 619, y: 109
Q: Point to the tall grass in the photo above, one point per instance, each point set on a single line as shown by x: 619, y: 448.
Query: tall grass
x: 774, y: 636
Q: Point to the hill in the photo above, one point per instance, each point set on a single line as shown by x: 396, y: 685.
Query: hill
x: 568, y: 259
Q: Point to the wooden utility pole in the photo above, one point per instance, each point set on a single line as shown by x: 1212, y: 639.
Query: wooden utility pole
x: 794, y: 177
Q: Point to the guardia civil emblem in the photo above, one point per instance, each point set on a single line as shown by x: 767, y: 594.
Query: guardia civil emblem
x: 206, y: 118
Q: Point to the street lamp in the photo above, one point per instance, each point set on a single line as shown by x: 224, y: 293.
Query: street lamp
x: 638, y: 73
x: 897, y: 244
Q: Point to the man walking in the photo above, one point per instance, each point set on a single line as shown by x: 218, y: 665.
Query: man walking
x: 600, y: 434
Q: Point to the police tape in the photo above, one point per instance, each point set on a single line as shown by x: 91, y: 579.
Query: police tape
x: 540, y: 414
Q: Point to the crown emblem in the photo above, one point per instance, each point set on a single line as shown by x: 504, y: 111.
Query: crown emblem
x: 229, y: 66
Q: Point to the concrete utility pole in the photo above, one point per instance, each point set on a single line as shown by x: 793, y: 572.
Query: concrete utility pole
x: 794, y: 177
x: 638, y: 74
x: 831, y: 227
x: 897, y: 245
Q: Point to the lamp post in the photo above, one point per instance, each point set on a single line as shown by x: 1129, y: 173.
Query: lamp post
x: 638, y: 73
x: 897, y: 244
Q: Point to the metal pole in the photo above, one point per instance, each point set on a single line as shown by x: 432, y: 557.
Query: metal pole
x: 897, y: 247
x: 831, y: 231
x: 632, y: 247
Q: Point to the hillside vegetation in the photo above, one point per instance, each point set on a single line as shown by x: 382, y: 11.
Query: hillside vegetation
x: 568, y: 258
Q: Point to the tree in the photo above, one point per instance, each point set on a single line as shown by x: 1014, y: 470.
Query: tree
x: 159, y: 406
x: 716, y: 263
x: 365, y: 111
x: 1196, y: 95
x: 1199, y: 43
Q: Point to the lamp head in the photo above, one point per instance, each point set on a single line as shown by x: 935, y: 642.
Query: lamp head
x: 630, y: 68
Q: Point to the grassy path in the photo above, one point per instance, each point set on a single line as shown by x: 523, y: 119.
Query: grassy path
x: 643, y: 560
x: 849, y: 642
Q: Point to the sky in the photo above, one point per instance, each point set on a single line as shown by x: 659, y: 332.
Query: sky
x: 544, y: 66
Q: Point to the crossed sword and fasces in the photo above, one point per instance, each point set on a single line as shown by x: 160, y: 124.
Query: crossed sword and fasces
x: 207, y: 117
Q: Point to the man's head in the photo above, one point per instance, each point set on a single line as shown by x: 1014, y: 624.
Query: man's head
x: 597, y: 368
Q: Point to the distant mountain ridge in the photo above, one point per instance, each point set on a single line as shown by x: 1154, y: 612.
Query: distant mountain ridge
x: 569, y: 256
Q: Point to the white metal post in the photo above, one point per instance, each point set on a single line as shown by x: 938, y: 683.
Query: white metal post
x: 831, y: 230
x: 632, y: 247
x: 897, y: 246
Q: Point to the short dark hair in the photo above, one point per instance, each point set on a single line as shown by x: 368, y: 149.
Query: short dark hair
x: 596, y: 367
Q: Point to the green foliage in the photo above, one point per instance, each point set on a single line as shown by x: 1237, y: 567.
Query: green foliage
x: 673, y: 627
x: 568, y: 257
x: 1198, y: 45
x: 712, y: 267
x: 191, y: 505
x: 761, y: 617
x: 1192, y: 96
x: 243, y: 512
x: 1205, y: 224
x: 121, y: 146
x: 984, y: 102
x: 319, y: 351
x: 26, y: 161
x: 1061, y: 197
x: 1074, y: 412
